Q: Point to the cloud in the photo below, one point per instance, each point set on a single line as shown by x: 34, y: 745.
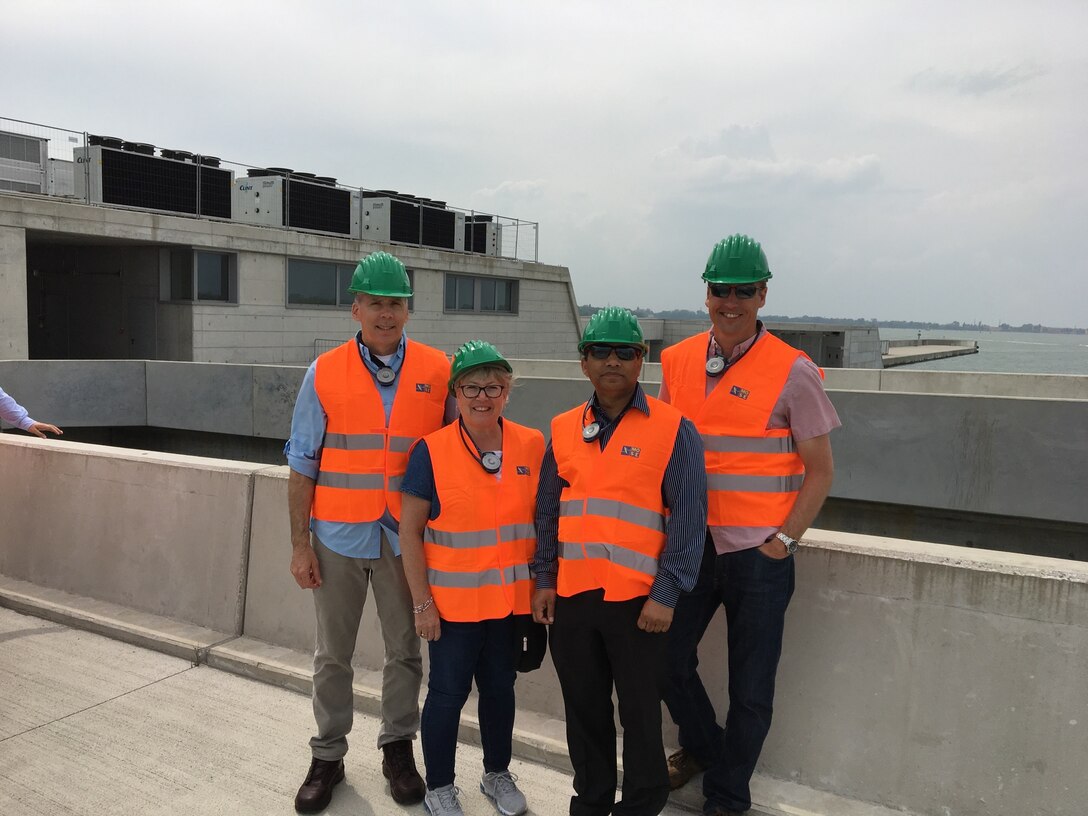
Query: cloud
x: 522, y: 188
x: 849, y: 174
x: 974, y: 83
x: 736, y: 142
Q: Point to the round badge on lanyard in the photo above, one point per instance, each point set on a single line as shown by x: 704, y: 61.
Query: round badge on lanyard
x: 385, y: 375
x: 715, y: 366
x: 591, y: 431
x: 491, y: 462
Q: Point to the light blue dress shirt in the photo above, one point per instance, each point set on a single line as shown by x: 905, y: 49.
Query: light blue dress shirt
x: 13, y: 413
x: 303, y: 452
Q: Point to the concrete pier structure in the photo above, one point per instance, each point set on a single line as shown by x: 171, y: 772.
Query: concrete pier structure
x: 905, y: 352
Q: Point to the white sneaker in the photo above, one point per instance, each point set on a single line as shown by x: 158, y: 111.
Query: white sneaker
x: 499, y: 787
x: 443, y: 801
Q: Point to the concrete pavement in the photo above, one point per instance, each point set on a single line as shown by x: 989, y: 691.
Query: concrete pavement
x: 97, y: 726
x: 90, y: 725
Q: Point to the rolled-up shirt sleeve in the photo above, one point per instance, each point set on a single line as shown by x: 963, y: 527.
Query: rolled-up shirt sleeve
x: 545, y: 566
x: 13, y: 413
x: 303, y: 449
x: 683, y: 489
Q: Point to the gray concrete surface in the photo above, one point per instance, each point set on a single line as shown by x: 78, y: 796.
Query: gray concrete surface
x: 934, y: 350
x: 92, y: 726
x: 124, y: 730
x: 160, y: 533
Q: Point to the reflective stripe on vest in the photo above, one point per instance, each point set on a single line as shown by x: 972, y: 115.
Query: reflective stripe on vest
x: 753, y: 473
x: 612, y: 518
x: 479, y: 547
x: 362, y: 460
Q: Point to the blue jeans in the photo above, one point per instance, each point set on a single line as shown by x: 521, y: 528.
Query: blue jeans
x: 484, y: 651
x: 755, y: 591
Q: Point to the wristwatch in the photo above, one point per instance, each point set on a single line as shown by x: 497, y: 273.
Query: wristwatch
x: 791, y: 543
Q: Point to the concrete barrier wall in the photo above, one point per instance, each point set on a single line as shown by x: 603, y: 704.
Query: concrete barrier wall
x: 918, y: 677
x: 914, y: 675
x: 156, y: 532
x: 908, y: 438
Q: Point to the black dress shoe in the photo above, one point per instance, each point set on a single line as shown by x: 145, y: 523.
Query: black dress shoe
x: 399, y: 767
x: 316, y: 792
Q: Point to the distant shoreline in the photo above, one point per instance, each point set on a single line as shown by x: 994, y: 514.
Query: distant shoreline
x: 587, y: 309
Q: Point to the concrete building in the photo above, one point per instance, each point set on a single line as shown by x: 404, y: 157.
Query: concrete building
x: 116, y: 262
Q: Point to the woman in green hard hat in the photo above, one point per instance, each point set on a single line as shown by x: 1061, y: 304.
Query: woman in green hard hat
x: 466, y: 537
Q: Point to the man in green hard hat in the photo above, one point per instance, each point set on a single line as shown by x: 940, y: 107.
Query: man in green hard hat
x: 620, y: 519
x: 360, y: 408
x: 765, y: 420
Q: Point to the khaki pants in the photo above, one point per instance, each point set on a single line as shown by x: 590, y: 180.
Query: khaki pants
x: 339, y: 605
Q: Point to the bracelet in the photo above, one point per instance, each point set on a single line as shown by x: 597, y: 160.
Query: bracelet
x: 423, y: 607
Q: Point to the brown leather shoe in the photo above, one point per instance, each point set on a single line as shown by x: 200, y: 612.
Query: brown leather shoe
x: 682, y: 767
x: 316, y: 792
x: 399, y: 767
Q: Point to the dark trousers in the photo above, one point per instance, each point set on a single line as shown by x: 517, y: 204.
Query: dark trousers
x: 484, y: 651
x: 596, y: 645
x: 755, y: 591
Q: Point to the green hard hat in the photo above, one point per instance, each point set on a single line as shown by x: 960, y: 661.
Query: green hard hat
x: 737, y: 259
x: 382, y: 275
x: 473, y: 354
x: 612, y: 325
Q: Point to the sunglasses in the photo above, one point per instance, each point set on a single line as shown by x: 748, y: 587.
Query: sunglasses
x: 625, y: 353
x: 493, y: 391
x: 745, y: 291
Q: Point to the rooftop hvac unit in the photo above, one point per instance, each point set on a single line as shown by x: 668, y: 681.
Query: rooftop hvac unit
x: 22, y: 162
x: 483, y: 235
x: 309, y: 203
x: 409, y: 221
x: 129, y: 178
x: 59, y: 180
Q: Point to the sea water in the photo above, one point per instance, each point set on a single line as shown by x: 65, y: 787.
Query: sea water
x: 1005, y: 352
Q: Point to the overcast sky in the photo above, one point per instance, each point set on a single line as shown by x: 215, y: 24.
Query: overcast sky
x: 898, y: 160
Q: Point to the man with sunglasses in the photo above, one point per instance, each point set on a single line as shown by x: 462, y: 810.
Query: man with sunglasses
x: 359, y: 410
x: 765, y: 421
x: 620, y: 519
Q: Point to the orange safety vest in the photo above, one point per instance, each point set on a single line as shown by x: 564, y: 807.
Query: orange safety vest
x: 479, y: 547
x: 753, y: 473
x: 362, y: 460
x: 612, y: 516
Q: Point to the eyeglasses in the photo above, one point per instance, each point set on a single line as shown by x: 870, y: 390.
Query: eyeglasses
x: 745, y: 291
x: 492, y: 391
x: 625, y: 353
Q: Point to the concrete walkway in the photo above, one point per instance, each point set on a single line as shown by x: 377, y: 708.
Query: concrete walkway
x: 94, y: 725
x: 90, y: 725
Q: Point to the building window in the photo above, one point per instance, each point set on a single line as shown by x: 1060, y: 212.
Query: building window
x: 323, y: 283
x: 465, y: 293
x: 201, y: 275
x: 213, y: 276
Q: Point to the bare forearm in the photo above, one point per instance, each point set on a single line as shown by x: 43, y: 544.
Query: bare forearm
x: 414, y: 513
x: 300, y: 500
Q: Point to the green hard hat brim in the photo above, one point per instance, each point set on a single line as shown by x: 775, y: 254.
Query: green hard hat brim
x: 741, y: 279
x: 582, y: 346
x: 381, y: 292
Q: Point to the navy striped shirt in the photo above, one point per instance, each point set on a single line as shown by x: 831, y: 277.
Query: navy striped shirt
x: 683, y: 489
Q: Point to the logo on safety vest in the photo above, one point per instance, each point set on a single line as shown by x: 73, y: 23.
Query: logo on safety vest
x: 737, y: 391
x: 424, y: 387
x: 631, y: 450
x: 523, y: 470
